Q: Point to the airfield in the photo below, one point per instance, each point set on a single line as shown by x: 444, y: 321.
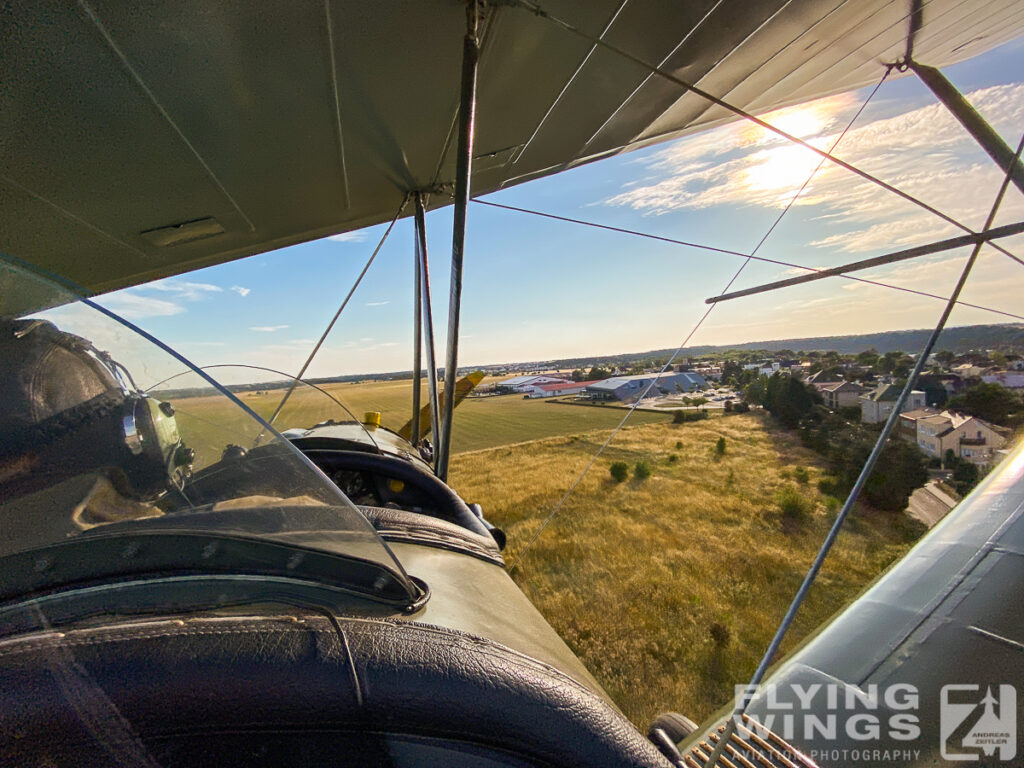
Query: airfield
x: 669, y: 587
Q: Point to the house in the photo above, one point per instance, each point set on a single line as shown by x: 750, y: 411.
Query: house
x: 907, y: 426
x: 969, y: 371
x: 840, y: 394
x: 523, y: 383
x: 968, y: 437
x: 631, y: 387
x: 709, y: 372
x: 1008, y: 379
x: 559, y: 389
x: 876, y: 405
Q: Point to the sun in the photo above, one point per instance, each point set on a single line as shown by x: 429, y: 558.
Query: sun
x: 779, y: 169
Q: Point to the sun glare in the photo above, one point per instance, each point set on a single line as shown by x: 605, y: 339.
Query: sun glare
x: 802, y: 121
x: 780, y: 169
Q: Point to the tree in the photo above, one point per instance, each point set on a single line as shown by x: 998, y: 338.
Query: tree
x: 945, y: 357
x: 720, y: 447
x: 991, y: 402
x: 598, y: 373
x: 789, y: 399
x: 619, y: 471
x: 900, y: 471
x: 965, y: 476
x: 579, y: 375
x: 868, y: 357
x: 732, y: 371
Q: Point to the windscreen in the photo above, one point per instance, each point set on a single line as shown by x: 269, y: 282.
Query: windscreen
x: 104, y: 431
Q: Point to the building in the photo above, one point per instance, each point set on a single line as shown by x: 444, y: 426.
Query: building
x: 1008, y: 379
x: 709, y: 372
x: 840, y: 394
x: 876, y: 405
x: 559, y: 389
x: 523, y: 383
x: 907, y: 426
x: 626, y: 388
x: 968, y: 437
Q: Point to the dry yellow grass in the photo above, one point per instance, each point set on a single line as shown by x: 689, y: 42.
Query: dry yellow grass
x: 633, y: 575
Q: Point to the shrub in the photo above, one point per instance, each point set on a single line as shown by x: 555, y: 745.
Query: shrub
x: 679, y: 444
x: 720, y: 634
x: 673, y: 458
x: 830, y: 486
x: 681, y: 417
x: 720, y: 447
x: 801, y: 475
x: 642, y: 470
x: 619, y: 471
x: 741, y: 407
x: 796, y: 510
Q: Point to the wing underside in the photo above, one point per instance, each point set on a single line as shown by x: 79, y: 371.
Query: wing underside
x: 143, y: 141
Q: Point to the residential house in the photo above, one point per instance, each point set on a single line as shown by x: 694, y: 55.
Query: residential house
x: 1008, y: 379
x: 840, y: 394
x: 907, y: 426
x: 968, y: 437
x: 876, y: 405
x: 969, y: 371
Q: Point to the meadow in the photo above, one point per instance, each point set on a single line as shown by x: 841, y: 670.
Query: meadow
x: 670, y: 588
x: 480, y: 423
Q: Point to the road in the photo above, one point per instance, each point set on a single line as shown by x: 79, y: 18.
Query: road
x: 929, y: 504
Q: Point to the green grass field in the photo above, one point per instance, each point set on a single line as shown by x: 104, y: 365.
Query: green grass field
x: 480, y: 423
x: 670, y: 588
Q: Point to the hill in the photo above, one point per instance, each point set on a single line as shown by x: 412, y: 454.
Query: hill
x: 1009, y: 336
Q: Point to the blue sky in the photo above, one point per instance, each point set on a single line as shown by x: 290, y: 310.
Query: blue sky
x: 539, y: 289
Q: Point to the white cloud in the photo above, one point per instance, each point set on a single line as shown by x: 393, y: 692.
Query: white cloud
x: 185, y: 290
x: 377, y: 303
x: 134, y: 307
x: 267, y: 328
x: 349, y: 237
x: 923, y: 151
x: 241, y: 290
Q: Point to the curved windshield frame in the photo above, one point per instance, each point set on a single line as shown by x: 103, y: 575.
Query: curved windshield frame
x: 77, y: 467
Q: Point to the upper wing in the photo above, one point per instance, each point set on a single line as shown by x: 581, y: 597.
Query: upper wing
x: 145, y: 140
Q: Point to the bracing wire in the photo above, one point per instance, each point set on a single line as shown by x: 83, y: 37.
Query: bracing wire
x: 728, y: 252
x: 748, y: 258
x: 344, y: 303
x: 862, y: 478
x: 536, y: 9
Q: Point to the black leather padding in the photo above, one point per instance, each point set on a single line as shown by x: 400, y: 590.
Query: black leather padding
x: 131, y: 693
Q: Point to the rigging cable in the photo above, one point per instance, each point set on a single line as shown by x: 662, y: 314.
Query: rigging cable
x: 728, y: 252
x: 862, y: 478
x: 337, y: 314
x: 536, y: 9
x: 749, y: 257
